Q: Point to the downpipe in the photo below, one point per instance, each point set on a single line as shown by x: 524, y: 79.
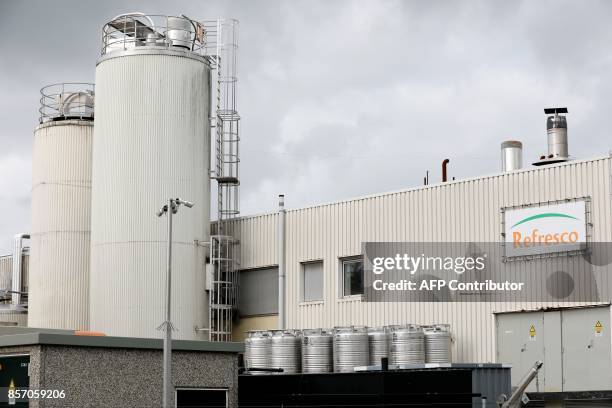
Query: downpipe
x: 281, y: 261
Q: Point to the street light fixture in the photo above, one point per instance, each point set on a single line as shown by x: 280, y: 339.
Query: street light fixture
x: 173, y: 206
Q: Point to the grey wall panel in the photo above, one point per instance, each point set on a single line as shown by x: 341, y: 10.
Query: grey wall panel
x: 553, y: 348
x: 258, y: 292
x: 6, y: 270
x: 587, y: 354
x: 311, y: 282
x: 518, y: 345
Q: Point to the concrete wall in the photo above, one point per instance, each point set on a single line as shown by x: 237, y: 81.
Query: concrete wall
x: 114, y: 377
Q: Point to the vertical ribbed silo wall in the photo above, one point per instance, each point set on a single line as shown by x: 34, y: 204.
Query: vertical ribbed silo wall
x: 61, y: 202
x: 152, y: 142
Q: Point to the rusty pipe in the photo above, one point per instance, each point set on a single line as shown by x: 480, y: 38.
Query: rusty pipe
x: 444, y: 172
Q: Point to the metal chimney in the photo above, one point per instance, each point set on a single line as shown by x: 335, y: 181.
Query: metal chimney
x: 556, y: 128
x: 511, y: 155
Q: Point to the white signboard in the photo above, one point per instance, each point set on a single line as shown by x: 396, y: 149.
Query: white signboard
x: 545, y: 229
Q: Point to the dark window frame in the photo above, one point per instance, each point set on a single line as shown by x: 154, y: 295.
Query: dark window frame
x: 345, y: 261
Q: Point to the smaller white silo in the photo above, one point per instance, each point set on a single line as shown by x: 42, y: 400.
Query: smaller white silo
x: 61, y: 203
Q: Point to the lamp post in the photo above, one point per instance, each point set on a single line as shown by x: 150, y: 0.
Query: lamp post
x: 169, y: 209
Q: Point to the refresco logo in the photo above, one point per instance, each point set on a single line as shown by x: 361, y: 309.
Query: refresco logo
x: 546, y: 228
x: 538, y: 238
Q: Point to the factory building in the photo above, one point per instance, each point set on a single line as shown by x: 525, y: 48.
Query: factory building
x: 324, y: 266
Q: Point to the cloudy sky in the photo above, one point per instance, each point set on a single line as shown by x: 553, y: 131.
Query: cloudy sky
x: 343, y: 98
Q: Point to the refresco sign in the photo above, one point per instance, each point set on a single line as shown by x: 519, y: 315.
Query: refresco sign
x: 545, y: 229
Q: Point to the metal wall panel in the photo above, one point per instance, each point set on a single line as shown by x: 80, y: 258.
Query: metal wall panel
x: 459, y: 211
x: 521, y: 341
x: 552, y: 381
x: 311, y: 282
x: 6, y: 272
x: 152, y: 142
x: 257, y: 236
x: 59, y: 246
x: 13, y: 318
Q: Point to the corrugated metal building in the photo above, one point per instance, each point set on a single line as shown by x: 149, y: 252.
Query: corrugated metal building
x: 467, y: 210
x: 10, y: 316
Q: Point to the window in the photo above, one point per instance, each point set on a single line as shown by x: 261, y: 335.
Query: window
x: 258, y: 292
x: 352, y: 277
x: 201, y: 397
x: 312, y: 281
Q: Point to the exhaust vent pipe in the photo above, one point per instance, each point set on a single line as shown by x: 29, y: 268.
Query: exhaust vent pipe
x: 445, y: 170
x: 511, y: 155
x: 556, y: 129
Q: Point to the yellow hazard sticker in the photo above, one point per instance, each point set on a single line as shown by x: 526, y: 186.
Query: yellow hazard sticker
x: 598, y: 328
x: 532, y: 332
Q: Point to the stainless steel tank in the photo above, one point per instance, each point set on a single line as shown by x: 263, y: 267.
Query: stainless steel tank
x: 379, y: 344
x: 438, y: 343
x: 351, y: 345
x: 286, y: 351
x: 511, y: 155
x: 407, y: 345
x: 257, y: 350
x: 317, y: 354
x: 180, y: 32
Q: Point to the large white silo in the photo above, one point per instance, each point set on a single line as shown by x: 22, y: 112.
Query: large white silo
x: 61, y: 199
x: 151, y: 143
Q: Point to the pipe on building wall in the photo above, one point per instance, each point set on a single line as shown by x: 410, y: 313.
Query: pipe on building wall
x: 281, y: 261
x: 444, y: 172
x: 17, y: 270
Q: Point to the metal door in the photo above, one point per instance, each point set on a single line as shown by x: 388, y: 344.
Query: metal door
x: 520, y: 342
x: 586, y: 349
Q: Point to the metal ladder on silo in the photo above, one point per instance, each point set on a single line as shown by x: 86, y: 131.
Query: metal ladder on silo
x: 224, y: 288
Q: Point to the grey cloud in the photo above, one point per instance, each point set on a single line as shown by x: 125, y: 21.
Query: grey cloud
x: 347, y: 98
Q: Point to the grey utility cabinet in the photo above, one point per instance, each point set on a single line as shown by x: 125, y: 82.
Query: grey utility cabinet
x: 573, y: 343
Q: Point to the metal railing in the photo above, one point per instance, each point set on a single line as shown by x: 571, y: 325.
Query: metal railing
x: 132, y: 30
x: 68, y: 100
